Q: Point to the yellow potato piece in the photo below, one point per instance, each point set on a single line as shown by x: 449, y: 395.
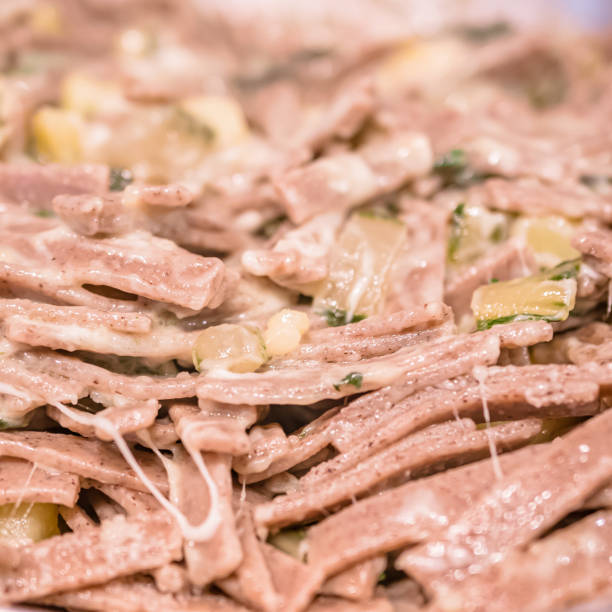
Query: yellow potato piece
x: 360, y: 263
x: 57, y: 134
x: 549, y: 238
x: 88, y: 96
x: 221, y: 114
x: 284, y: 331
x: 236, y: 348
x: 27, y: 523
x: 46, y: 19
x: 550, y: 299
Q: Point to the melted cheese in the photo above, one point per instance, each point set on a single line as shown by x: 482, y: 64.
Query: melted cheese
x: 480, y: 374
x: 197, y: 533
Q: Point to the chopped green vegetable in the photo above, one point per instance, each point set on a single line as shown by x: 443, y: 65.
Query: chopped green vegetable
x: 454, y: 161
x: 566, y: 269
x: 484, y: 325
x: 494, y: 280
x: 119, y: 179
x: 454, y: 170
x: 336, y: 317
x: 457, y: 230
x: 485, y: 33
x: 353, y: 378
x: 382, y: 576
x: 548, y: 296
x: 389, y: 210
x: 44, y: 213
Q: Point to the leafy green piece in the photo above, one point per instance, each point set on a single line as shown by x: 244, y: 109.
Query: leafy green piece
x: 336, y: 317
x: 494, y: 280
x: 484, y: 325
x: 454, y: 170
x: 353, y: 378
x: 382, y: 576
x: 44, y: 214
x: 485, y: 33
x: 388, y: 210
x: 454, y: 161
x: 119, y: 179
x: 566, y: 269
x: 457, y: 230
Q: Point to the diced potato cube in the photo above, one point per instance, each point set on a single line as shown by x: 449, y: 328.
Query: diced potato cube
x: 359, y: 266
x: 473, y: 230
x: 231, y: 347
x: 532, y: 297
x: 284, y: 331
x: 46, y: 19
x: 57, y: 134
x: 88, y: 96
x: 548, y: 237
x: 27, y: 523
x: 221, y: 115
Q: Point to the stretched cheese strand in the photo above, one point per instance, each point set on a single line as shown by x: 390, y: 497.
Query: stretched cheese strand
x: 480, y: 374
x: 198, y: 533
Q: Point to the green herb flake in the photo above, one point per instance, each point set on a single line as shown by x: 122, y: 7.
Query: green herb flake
x: 566, y: 269
x: 454, y: 169
x: 457, y: 230
x: 483, y: 325
x: 336, y: 317
x: 494, y: 280
x: 389, y: 211
x: 119, y: 179
x: 453, y: 160
x: 485, y: 33
x: 382, y: 576
x: 353, y: 378
x: 44, y: 214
